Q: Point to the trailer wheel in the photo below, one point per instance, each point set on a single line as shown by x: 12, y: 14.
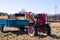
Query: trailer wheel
x: 1, y: 27
x: 22, y: 29
x: 31, y: 31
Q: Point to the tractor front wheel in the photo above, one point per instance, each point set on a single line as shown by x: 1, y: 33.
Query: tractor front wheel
x: 31, y: 31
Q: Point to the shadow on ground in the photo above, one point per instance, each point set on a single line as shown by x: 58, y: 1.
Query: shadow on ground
x: 20, y: 32
x: 17, y: 32
x: 55, y: 36
x: 40, y: 36
x: 52, y: 36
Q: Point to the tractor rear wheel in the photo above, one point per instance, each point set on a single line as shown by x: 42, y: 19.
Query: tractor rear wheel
x: 47, y: 29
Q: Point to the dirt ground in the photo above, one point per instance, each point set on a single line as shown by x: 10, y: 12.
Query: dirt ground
x: 55, y: 34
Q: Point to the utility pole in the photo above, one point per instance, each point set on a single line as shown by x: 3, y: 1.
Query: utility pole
x: 55, y: 9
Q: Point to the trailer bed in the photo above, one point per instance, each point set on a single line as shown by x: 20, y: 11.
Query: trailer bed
x: 14, y: 23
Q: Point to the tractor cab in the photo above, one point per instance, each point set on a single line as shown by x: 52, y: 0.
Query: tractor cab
x: 41, y: 18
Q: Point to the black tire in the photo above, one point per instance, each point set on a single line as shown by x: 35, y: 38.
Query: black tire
x: 22, y: 29
x: 1, y: 27
x: 47, y: 29
x: 36, y: 31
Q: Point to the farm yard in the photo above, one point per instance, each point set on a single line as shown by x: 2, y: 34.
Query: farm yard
x: 12, y: 33
x: 55, y: 34
x: 29, y: 19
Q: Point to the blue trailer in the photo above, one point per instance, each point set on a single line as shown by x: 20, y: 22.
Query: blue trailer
x: 13, y: 23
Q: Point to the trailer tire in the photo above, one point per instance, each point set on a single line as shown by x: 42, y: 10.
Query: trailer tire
x: 1, y: 27
x: 22, y: 29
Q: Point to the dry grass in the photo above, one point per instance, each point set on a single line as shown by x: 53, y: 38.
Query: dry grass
x: 55, y: 27
x: 55, y: 34
x: 22, y: 37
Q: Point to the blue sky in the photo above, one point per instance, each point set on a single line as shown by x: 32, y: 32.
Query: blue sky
x: 36, y: 6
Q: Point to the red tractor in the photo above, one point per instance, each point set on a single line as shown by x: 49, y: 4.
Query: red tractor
x: 39, y: 24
